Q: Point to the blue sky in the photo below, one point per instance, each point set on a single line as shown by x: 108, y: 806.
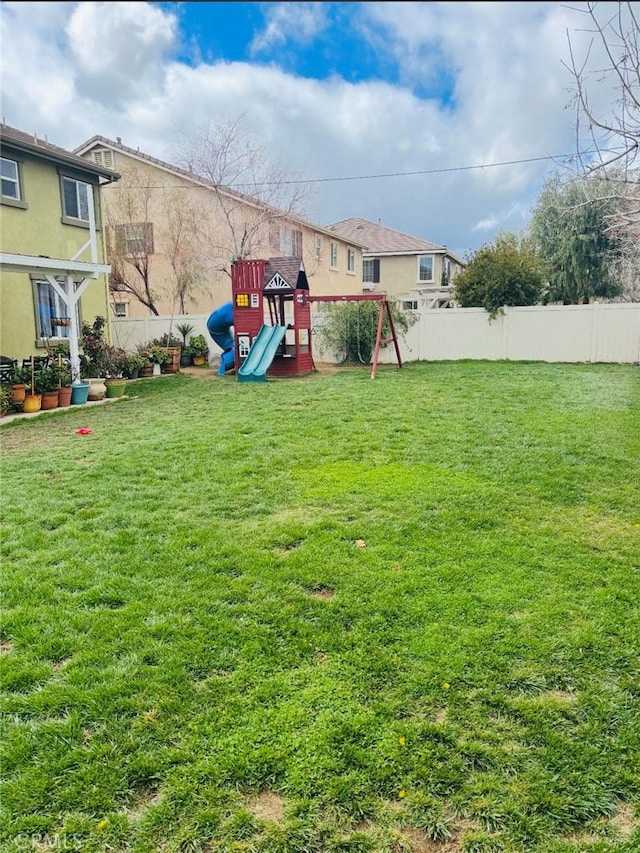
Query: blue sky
x: 416, y: 92
x: 331, y: 45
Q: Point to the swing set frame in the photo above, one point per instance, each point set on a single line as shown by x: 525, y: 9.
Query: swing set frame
x: 384, y: 307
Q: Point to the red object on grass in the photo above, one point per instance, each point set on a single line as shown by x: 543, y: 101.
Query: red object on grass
x: 84, y: 431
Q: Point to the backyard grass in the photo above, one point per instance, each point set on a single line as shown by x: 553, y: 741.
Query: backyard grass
x: 327, y: 614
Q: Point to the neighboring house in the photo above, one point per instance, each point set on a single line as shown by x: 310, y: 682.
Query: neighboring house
x: 407, y: 268
x: 53, y: 272
x: 173, y: 235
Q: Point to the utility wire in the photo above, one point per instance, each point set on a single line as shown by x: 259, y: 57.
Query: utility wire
x: 382, y: 175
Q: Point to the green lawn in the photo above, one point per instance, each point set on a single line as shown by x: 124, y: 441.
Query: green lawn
x: 327, y: 614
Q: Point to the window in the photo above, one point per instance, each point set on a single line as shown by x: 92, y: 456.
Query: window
x: 351, y: 260
x: 425, y: 268
x: 10, y: 171
x: 318, y: 244
x: 371, y: 270
x: 286, y: 240
x: 410, y: 304
x: 334, y: 255
x: 50, y: 310
x: 120, y: 309
x: 135, y: 238
x: 75, y: 199
x: 10, y: 179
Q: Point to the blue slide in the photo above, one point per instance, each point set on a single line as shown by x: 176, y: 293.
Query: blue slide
x: 261, y: 354
x: 218, y: 326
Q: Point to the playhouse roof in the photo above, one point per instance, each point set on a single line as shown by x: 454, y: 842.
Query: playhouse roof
x: 287, y: 267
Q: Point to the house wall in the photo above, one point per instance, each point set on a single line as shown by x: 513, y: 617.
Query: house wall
x: 399, y: 274
x: 170, y: 191
x: 39, y: 230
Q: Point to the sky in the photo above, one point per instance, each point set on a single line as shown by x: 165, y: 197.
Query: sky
x: 438, y: 119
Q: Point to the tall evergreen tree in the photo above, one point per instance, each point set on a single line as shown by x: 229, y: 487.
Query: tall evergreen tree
x: 569, y: 230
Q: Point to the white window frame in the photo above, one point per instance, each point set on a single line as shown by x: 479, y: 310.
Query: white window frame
x: 16, y: 200
x: 351, y: 261
x: 121, y: 309
x: 422, y: 280
x: 333, y: 255
x: 82, y: 188
x: 12, y: 180
x: 318, y: 244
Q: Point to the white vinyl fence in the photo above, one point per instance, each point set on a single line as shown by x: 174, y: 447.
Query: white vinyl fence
x: 607, y: 332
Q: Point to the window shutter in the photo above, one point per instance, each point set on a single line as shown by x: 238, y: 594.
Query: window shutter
x: 297, y: 244
x: 148, y: 238
x: 376, y: 270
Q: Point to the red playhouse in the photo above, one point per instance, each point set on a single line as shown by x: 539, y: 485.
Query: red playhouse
x: 272, y: 319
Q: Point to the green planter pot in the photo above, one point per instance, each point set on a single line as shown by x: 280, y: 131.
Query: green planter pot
x: 79, y: 393
x: 115, y: 387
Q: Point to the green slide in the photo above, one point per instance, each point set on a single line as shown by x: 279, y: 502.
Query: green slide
x: 261, y: 354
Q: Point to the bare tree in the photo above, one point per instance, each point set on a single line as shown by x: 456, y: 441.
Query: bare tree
x: 255, y: 194
x: 614, y: 131
x: 183, y: 243
x: 130, y: 238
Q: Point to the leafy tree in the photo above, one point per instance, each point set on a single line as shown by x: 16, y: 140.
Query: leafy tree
x: 504, y: 273
x: 350, y: 328
x: 569, y: 229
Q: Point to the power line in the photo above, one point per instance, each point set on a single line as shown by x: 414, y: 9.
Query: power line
x: 413, y: 174
x: 382, y: 175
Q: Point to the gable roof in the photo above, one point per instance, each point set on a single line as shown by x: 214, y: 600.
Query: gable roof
x: 380, y: 240
x: 199, y: 180
x: 289, y: 268
x: 31, y: 144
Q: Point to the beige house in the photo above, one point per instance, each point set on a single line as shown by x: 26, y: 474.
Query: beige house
x: 172, y: 236
x: 407, y: 268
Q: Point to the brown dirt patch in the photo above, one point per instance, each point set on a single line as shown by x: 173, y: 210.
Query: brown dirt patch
x: 142, y: 801
x: 324, y: 593
x: 419, y: 842
x: 6, y: 648
x: 625, y: 821
x: 267, y: 806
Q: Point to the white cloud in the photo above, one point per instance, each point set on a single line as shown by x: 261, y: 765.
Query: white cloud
x: 72, y: 70
x: 290, y: 21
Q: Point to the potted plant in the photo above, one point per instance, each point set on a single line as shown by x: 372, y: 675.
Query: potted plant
x: 115, y: 365
x: 134, y: 363
x: 20, y: 377
x: 185, y: 330
x: 47, y: 382
x: 199, y: 349
x: 159, y: 355
x: 65, y: 388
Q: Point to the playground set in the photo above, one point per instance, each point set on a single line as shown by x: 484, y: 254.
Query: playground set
x: 270, y: 312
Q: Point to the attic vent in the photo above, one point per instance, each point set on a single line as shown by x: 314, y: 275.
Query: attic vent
x: 103, y: 157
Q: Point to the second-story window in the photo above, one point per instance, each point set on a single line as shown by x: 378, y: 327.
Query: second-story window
x: 334, y: 255
x: 351, y: 260
x: 425, y: 268
x: 135, y: 238
x: 75, y: 199
x: 10, y: 179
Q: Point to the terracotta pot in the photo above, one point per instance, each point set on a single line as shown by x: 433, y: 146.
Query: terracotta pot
x: 49, y: 400
x: 64, y: 396
x: 18, y: 393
